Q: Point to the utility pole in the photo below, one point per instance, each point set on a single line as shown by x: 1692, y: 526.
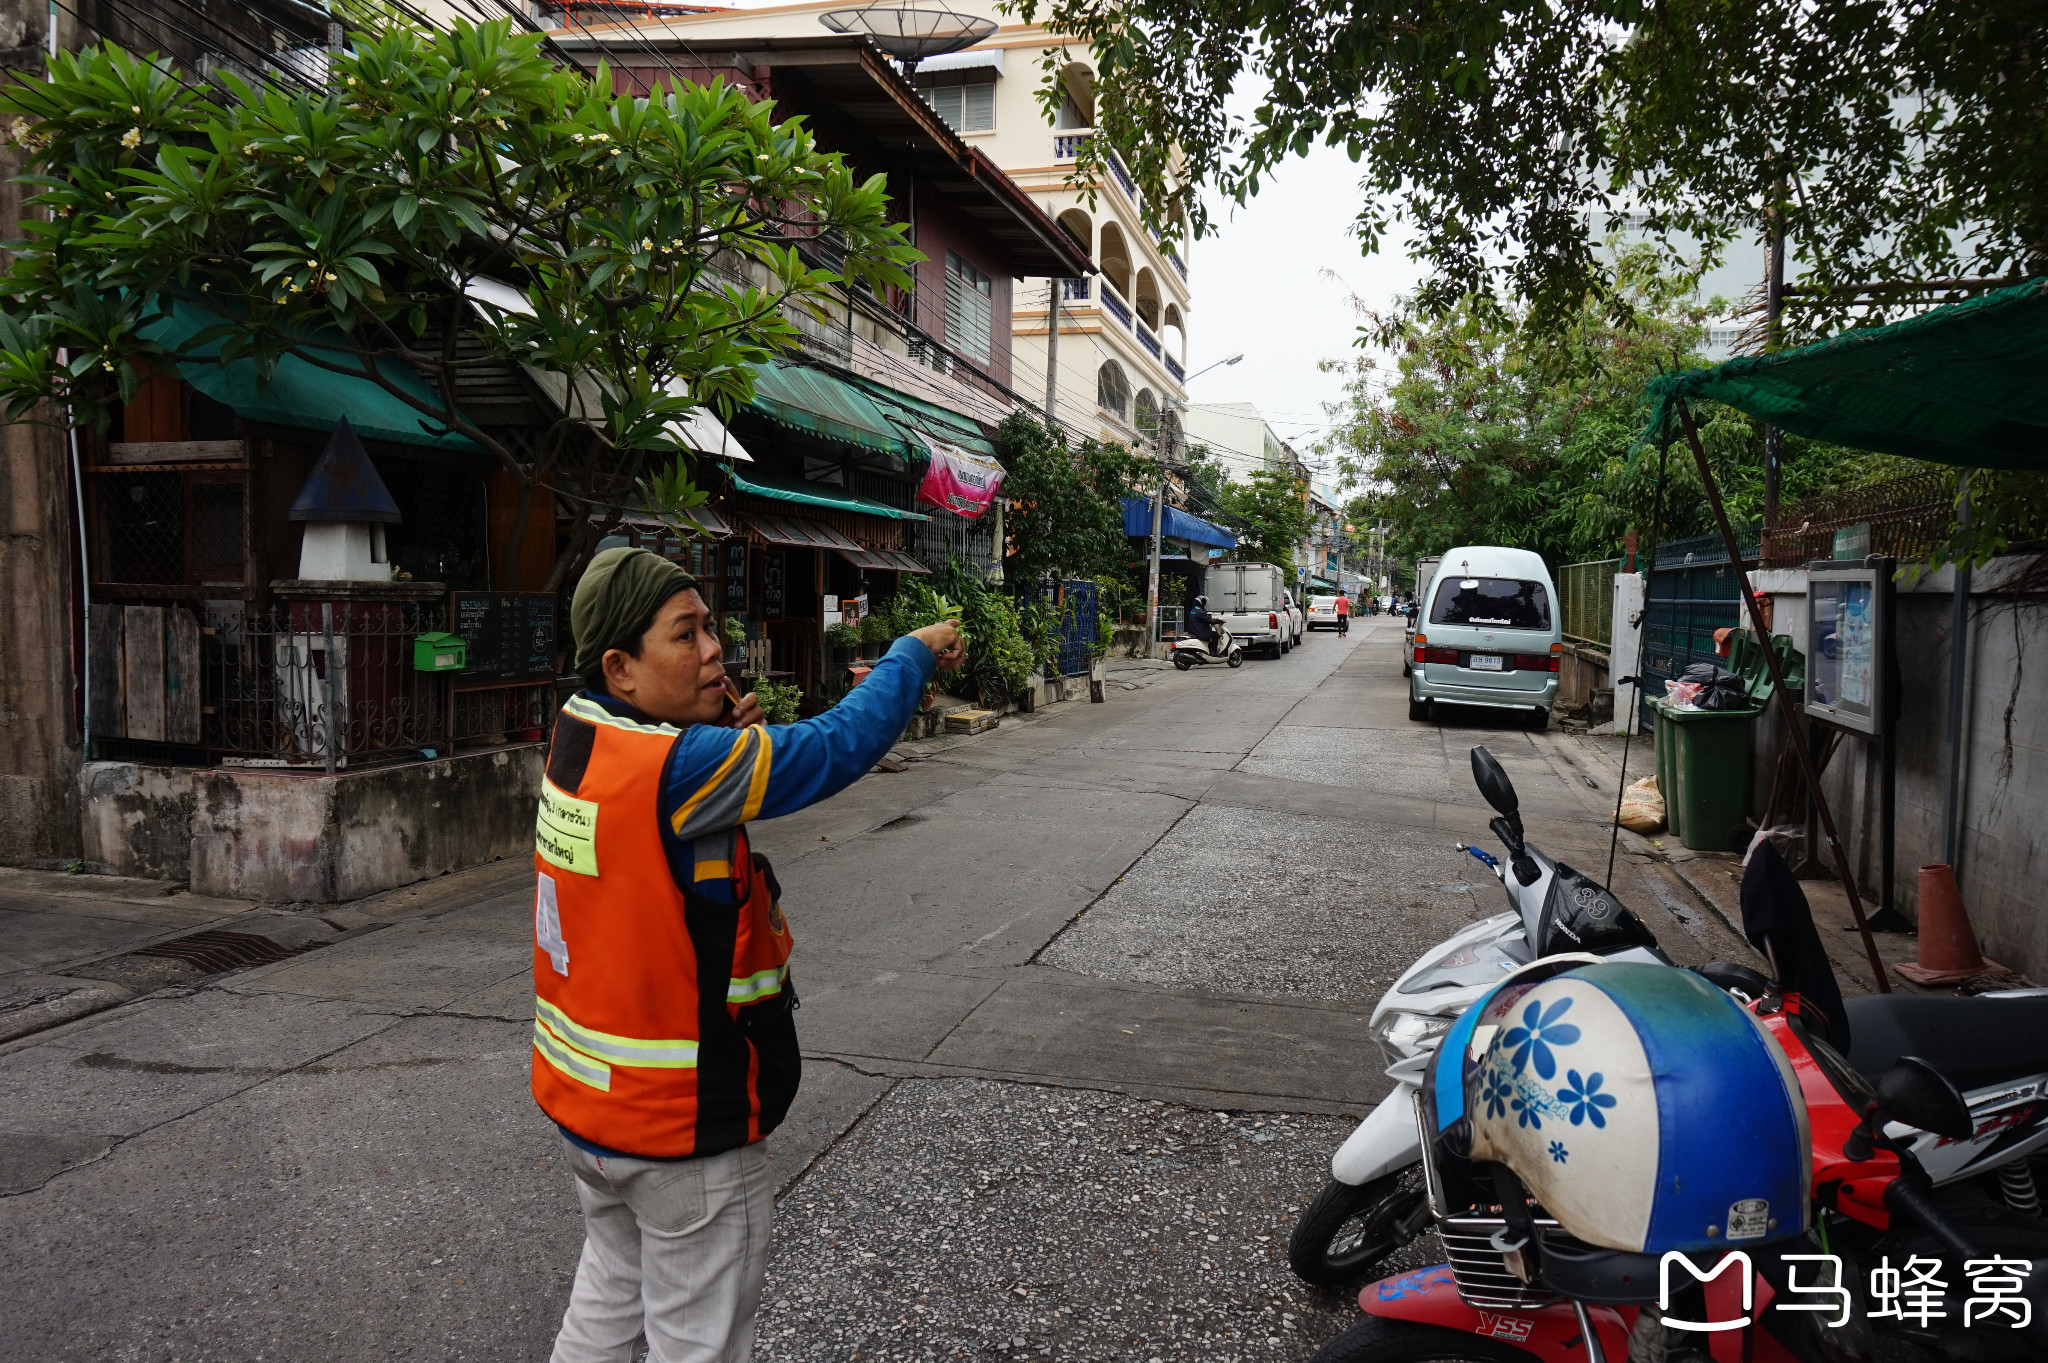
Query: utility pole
x: 1052, y: 351
x: 1774, y: 336
x: 1152, y: 589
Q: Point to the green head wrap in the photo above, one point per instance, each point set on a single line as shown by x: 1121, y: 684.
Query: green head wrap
x: 620, y: 589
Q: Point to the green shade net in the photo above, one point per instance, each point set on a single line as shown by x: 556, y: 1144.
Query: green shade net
x: 1965, y: 385
x: 812, y: 401
x: 301, y: 394
x: 816, y: 494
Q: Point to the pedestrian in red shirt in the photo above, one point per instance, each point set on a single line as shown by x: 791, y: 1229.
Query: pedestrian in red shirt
x: 1343, y: 614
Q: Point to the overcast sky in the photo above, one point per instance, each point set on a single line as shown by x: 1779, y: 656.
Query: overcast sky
x: 1260, y: 287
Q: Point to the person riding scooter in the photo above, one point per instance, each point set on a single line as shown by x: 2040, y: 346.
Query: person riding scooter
x: 1201, y: 624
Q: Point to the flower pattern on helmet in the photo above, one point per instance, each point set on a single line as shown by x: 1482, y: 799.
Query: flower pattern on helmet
x: 1540, y: 1030
x: 1497, y: 1093
x: 1584, y: 1098
x: 1558, y: 1153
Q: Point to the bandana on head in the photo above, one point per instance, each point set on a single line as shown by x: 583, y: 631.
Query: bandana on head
x: 619, y: 590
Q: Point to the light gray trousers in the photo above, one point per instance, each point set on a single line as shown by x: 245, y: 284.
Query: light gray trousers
x: 674, y: 1248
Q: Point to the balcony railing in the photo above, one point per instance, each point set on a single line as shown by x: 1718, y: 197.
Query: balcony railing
x: 1178, y: 264
x: 1066, y: 146
x: 1075, y: 289
x: 1173, y: 367
x: 1148, y: 340
x: 1117, y: 307
x: 1123, y: 175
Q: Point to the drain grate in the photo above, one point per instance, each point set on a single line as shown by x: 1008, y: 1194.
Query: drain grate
x: 213, y: 951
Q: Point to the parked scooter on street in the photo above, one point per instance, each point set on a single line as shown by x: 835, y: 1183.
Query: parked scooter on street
x: 1374, y: 1204
x: 1903, y: 1168
x: 1191, y: 651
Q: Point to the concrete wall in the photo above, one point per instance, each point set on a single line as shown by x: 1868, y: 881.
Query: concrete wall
x: 39, y: 740
x: 277, y: 836
x: 2003, y: 850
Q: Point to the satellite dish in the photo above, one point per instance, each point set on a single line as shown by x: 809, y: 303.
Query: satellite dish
x: 908, y: 33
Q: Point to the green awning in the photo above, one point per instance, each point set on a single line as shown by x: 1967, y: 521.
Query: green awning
x: 1960, y: 385
x: 300, y: 393
x: 816, y: 494
x: 817, y: 403
x: 940, y: 423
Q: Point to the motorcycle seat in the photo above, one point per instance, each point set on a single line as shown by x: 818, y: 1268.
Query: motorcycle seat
x: 1977, y: 1042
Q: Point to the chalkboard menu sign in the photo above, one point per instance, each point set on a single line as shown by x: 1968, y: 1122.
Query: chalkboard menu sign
x: 771, y: 586
x: 735, y: 576
x: 511, y: 635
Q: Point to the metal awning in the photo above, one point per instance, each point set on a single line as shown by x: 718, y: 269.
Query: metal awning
x: 706, y: 520
x: 803, y: 492
x: 797, y: 532
x: 885, y: 560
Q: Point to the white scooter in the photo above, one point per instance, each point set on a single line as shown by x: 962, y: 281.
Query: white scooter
x: 1375, y: 1202
x: 1188, y: 652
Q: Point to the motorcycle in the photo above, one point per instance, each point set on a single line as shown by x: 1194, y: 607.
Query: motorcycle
x: 1192, y: 651
x: 1373, y: 1204
x: 1884, y: 1183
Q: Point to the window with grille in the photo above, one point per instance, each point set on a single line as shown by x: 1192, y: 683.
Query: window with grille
x: 965, y: 99
x: 969, y: 308
x: 1113, y: 390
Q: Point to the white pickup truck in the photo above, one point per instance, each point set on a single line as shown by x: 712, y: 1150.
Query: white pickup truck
x: 1425, y: 573
x: 1251, y: 601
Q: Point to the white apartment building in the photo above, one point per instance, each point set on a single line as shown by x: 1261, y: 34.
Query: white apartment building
x: 1118, y: 367
x: 1238, y: 438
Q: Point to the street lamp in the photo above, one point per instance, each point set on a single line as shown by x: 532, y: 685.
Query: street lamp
x: 1207, y: 367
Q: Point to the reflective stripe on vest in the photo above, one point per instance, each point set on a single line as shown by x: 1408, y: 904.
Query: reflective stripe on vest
x: 619, y: 1050
x: 757, y: 986
x: 575, y: 1064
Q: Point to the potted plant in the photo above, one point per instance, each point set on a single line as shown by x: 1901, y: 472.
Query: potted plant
x: 844, y: 641
x: 734, y: 632
x: 877, y: 632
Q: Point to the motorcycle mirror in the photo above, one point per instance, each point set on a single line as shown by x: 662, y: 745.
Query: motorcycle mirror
x: 1914, y: 1092
x: 1493, y: 782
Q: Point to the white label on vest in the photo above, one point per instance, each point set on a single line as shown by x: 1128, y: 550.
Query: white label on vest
x: 565, y: 830
x: 547, y: 926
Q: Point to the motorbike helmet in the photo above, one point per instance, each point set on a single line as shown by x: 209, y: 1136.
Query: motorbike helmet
x: 1643, y: 1108
x: 1201, y: 603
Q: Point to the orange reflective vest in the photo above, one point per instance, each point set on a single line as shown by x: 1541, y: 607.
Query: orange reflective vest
x: 662, y: 1017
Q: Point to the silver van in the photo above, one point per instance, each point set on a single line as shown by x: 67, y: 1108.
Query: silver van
x: 1487, y: 632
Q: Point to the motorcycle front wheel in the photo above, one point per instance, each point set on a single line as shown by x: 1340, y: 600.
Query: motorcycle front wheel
x: 1376, y: 1340
x: 1347, y: 1231
x: 1236, y: 659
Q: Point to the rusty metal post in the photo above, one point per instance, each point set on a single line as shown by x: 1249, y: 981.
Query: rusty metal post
x: 1794, y: 734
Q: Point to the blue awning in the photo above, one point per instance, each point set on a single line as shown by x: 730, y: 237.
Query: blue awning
x: 1174, y: 524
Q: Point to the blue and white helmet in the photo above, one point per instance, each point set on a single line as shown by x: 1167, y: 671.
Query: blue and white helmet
x: 1642, y: 1107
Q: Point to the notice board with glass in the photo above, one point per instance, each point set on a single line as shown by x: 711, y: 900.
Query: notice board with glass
x: 1846, y: 646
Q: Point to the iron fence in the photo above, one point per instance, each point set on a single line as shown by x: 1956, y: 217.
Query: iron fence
x: 312, y: 680
x: 1585, y: 594
x: 1908, y: 518
x: 501, y: 714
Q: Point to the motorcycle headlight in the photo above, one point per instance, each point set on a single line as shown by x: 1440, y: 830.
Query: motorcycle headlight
x: 1403, y: 1035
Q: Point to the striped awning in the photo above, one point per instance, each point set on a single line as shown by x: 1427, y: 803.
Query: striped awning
x: 886, y: 560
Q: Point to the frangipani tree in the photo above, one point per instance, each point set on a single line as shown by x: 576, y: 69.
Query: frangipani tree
x: 453, y: 200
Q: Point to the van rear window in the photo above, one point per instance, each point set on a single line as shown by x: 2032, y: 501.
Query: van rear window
x: 1502, y: 601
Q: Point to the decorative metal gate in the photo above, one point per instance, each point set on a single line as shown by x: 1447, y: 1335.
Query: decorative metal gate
x: 1693, y: 591
x: 1079, y: 599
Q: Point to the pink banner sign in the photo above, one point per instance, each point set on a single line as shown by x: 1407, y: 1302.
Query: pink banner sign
x: 959, y: 482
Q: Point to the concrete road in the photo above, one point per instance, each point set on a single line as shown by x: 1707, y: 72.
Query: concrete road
x: 1084, y: 1000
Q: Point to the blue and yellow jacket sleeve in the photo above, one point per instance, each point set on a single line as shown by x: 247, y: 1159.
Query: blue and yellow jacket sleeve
x: 718, y: 779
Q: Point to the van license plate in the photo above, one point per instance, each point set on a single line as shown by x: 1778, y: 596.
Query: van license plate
x: 1485, y: 662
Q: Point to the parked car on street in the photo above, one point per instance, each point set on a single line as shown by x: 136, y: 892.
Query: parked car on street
x: 1322, y: 612
x: 1487, y: 635
x: 1297, y: 620
x: 1250, y: 600
x: 1425, y: 572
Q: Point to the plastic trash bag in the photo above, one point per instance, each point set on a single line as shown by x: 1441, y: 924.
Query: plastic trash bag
x: 1642, y: 807
x: 1719, y: 689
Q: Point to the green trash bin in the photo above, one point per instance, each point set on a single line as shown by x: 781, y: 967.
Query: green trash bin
x: 1703, y: 773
